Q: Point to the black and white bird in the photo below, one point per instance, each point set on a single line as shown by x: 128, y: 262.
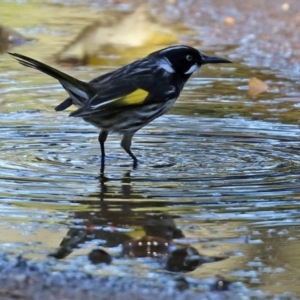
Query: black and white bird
x: 128, y: 98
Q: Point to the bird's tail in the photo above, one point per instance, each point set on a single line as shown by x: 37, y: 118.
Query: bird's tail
x: 78, y: 90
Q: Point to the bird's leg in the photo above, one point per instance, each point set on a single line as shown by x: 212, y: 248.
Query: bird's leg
x: 102, y: 138
x: 126, y: 144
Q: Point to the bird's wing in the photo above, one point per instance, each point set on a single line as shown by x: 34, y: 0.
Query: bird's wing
x: 132, y: 85
x: 100, y: 80
x: 113, y: 85
x: 117, y: 95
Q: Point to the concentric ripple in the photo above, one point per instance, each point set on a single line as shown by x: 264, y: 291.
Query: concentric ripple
x: 182, y: 159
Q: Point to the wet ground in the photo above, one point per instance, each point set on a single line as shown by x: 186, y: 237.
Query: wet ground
x: 220, y: 173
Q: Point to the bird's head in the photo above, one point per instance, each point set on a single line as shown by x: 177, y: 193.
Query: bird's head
x: 184, y: 60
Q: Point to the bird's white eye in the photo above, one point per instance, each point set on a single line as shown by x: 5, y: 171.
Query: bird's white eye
x: 189, y: 57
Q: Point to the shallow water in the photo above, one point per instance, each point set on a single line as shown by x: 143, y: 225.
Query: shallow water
x: 222, y: 169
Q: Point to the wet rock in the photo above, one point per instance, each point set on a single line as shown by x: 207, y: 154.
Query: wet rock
x: 99, y: 256
x: 187, y: 259
x: 183, y: 259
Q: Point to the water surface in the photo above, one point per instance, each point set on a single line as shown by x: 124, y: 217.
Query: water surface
x: 222, y: 169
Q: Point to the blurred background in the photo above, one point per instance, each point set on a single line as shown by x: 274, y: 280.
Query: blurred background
x: 220, y: 173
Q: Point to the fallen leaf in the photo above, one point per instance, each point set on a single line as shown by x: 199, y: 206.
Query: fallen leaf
x: 256, y: 86
x: 229, y: 20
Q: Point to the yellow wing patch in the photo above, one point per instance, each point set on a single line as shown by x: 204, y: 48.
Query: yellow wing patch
x: 136, y: 98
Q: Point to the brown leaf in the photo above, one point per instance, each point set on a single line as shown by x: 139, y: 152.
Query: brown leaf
x: 229, y: 20
x: 256, y: 86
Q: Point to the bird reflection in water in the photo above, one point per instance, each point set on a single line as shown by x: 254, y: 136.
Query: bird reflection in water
x: 142, y: 232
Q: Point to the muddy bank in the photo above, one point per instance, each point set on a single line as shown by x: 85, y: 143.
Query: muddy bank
x: 22, y: 279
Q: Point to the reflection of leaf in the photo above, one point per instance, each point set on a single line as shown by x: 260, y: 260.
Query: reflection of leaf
x: 118, y: 32
x: 10, y: 38
x: 256, y: 86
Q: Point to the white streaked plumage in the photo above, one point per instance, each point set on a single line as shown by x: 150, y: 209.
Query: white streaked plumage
x: 192, y: 69
x: 103, y: 103
x: 77, y: 92
x: 166, y: 65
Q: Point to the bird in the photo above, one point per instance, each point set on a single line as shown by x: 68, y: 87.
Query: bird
x: 127, y: 99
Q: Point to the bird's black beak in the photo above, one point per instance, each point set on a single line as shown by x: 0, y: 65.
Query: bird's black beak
x: 213, y: 60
